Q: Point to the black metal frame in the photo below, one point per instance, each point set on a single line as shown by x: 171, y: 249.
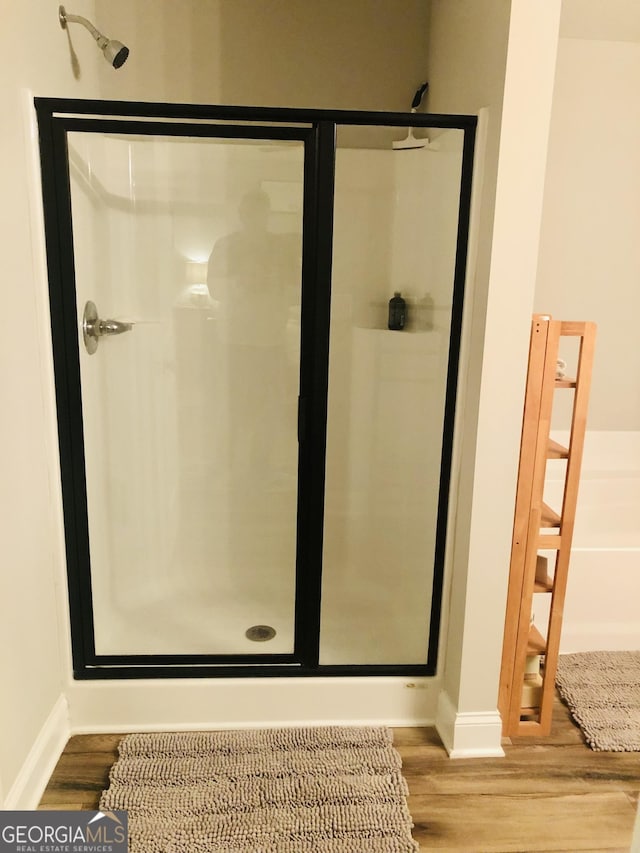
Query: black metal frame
x: 317, y: 130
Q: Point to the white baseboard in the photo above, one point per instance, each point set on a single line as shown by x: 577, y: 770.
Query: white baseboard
x: 32, y: 779
x: 475, y: 734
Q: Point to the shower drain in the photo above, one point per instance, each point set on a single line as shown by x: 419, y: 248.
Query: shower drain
x: 260, y: 633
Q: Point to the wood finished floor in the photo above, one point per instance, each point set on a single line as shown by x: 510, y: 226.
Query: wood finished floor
x: 547, y: 794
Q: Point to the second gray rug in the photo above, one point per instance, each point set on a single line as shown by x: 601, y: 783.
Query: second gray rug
x: 602, y: 690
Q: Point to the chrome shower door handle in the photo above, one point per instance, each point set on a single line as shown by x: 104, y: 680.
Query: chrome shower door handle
x: 113, y: 327
x: 93, y: 328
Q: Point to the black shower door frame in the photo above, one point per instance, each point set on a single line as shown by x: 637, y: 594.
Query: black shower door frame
x: 317, y: 130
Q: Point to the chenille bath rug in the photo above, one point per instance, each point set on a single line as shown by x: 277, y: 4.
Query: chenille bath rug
x: 602, y: 690
x: 328, y: 789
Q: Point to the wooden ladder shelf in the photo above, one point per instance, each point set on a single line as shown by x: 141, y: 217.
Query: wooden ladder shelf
x: 529, y: 657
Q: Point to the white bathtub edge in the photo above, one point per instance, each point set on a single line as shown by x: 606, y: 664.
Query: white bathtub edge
x: 600, y: 636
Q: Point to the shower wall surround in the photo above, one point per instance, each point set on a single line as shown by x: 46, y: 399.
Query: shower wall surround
x: 256, y: 475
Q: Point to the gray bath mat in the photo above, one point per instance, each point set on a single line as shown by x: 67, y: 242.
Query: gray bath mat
x: 323, y: 789
x: 602, y: 690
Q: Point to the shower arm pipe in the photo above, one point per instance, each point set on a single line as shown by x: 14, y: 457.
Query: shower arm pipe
x: 66, y: 18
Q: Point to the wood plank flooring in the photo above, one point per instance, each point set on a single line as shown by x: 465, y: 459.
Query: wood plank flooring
x: 547, y: 794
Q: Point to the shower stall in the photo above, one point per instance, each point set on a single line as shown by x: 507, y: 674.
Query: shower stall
x: 255, y: 469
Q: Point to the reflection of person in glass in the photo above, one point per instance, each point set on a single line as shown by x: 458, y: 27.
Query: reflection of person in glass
x: 250, y: 272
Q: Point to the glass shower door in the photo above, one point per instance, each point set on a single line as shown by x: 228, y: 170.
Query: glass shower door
x: 188, y: 254
x: 255, y: 468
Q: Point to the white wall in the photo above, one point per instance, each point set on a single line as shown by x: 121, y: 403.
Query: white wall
x: 32, y: 669
x: 589, y: 264
x: 365, y: 54
x: 467, y: 70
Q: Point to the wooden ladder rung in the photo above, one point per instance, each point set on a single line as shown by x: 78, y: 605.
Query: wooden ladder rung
x: 556, y: 451
x: 548, y: 517
x: 536, y: 643
x: 543, y: 581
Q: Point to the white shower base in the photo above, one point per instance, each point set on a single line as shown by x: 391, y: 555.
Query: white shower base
x: 215, y: 622
x: 193, y: 622
x: 232, y: 567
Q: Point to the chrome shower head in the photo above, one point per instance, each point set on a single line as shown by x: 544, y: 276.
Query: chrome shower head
x: 114, y: 51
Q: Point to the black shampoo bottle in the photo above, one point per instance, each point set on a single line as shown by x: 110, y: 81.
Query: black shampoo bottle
x: 397, y: 312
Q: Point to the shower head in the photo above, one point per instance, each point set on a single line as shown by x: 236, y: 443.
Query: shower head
x: 114, y: 51
x: 412, y: 141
